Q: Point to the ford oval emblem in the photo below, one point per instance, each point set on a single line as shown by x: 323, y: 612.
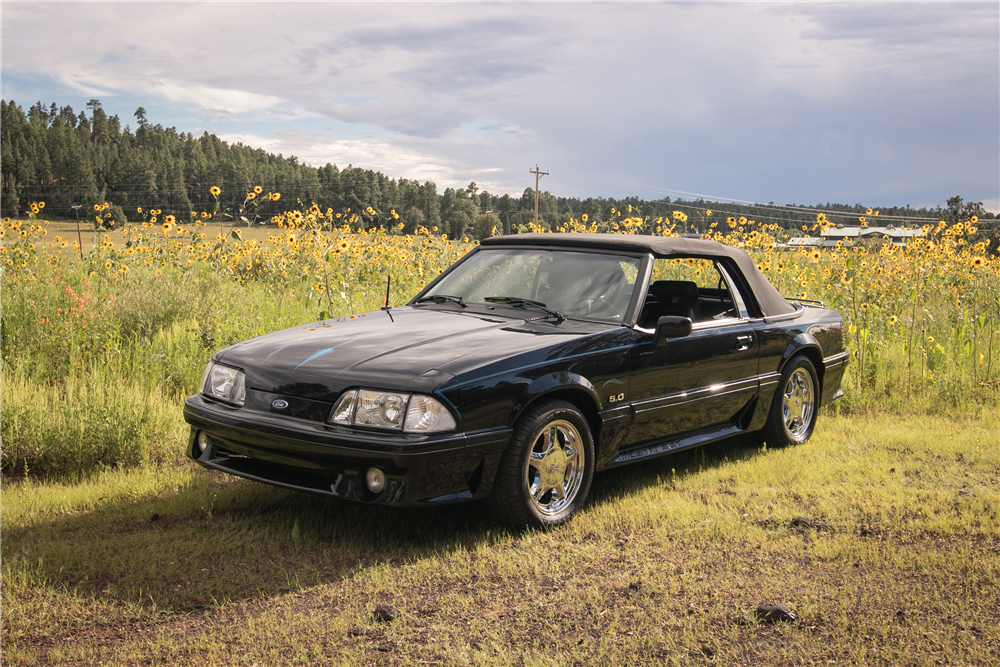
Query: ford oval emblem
x: 279, y: 404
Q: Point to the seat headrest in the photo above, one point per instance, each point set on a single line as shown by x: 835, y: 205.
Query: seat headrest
x: 665, y: 289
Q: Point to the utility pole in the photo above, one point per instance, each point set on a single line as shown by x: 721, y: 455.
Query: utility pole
x: 79, y: 239
x: 538, y: 175
x: 489, y: 229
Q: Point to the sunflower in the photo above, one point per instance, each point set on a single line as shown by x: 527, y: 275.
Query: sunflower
x: 893, y: 320
x: 978, y: 262
x: 257, y: 189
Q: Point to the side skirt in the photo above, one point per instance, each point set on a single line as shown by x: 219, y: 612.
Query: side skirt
x: 676, y: 444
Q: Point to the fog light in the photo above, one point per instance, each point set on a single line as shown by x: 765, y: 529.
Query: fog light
x: 375, y: 480
x: 202, y: 442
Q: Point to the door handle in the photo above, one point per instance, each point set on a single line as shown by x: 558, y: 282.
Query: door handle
x: 743, y: 342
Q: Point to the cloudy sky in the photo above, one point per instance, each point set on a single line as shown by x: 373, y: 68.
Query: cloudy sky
x: 879, y: 104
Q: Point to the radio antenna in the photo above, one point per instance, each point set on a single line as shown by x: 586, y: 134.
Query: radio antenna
x: 388, y: 282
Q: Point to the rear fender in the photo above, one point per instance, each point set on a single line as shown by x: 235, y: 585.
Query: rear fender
x: 797, y: 344
x: 804, y: 344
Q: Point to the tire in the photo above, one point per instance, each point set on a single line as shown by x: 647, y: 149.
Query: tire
x: 792, y: 417
x: 546, y: 470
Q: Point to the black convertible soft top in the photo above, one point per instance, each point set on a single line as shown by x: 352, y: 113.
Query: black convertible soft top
x: 768, y: 298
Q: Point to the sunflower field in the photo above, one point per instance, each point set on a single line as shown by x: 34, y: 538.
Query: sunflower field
x: 101, y: 343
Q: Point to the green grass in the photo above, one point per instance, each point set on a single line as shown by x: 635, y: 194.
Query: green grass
x: 90, y: 422
x: 882, y: 533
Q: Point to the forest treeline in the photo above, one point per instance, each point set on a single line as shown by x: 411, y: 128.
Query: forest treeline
x: 65, y: 158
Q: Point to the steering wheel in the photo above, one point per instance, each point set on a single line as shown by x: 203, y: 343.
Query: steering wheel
x: 600, y: 305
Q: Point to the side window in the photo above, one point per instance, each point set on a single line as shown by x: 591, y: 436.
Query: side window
x: 690, y: 287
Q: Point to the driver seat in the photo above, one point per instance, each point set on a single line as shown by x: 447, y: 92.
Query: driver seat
x: 670, y: 297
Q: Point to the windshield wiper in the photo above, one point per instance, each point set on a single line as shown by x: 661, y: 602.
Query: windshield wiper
x: 441, y: 298
x: 518, y: 302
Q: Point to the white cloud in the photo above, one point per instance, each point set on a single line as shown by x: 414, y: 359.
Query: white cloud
x: 756, y: 101
x: 231, y: 100
x: 318, y: 150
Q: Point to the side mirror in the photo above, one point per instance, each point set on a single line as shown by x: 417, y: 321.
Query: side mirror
x: 671, y: 326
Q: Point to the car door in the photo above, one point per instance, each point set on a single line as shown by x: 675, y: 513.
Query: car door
x: 698, y: 381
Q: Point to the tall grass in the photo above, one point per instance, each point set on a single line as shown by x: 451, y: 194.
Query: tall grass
x: 92, y: 420
x: 105, y: 349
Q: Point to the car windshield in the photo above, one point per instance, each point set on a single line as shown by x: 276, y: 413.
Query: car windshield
x: 577, y: 284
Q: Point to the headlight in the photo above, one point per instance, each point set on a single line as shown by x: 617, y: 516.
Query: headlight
x: 383, y: 410
x: 412, y: 413
x: 226, y: 384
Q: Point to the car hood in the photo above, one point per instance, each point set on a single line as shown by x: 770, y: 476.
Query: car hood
x: 407, y: 349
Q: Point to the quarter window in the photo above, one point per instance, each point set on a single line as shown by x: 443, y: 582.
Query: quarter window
x: 692, y: 287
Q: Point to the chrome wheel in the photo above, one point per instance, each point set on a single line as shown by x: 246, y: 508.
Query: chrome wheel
x: 798, y: 403
x: 553, y: 471
x: 545, y: 473
x: 792, y: 415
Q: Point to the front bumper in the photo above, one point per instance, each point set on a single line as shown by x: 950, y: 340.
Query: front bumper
x: 307, y: 455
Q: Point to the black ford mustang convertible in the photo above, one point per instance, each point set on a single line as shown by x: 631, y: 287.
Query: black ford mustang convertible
x: 530, y: 364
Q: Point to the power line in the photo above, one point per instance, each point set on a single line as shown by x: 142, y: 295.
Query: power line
x: 720, y: 200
